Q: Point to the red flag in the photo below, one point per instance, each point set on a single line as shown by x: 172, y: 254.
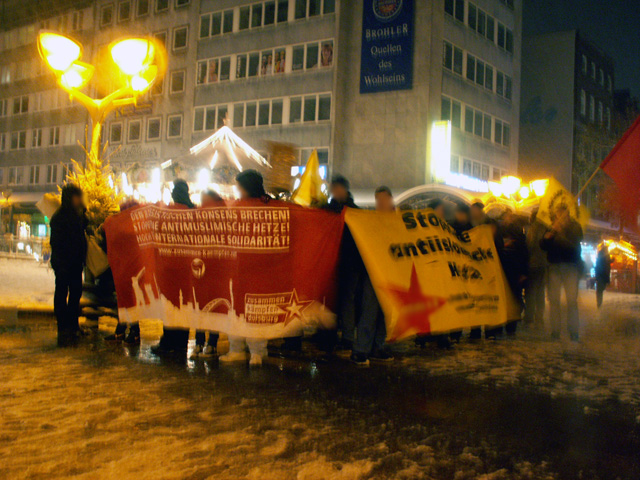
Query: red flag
x: 623, y: 166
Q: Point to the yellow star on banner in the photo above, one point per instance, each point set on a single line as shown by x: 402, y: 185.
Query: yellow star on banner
x: 295, y: 308
x: 415, y: 308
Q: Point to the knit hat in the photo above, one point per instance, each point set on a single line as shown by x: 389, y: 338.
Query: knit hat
x: 251, y: 181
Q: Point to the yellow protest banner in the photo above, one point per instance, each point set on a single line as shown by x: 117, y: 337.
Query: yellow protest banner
x: 426, y: 278
x: 556, y: 196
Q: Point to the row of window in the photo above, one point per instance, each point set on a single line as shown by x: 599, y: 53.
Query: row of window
x: 481, y: 22
x: 124, y: 10
x: 35, y: 102
x: 476, y: 169
x: 22, y: 70
x: 153, y: 132
x: 51, y: 174
x: 597, y: 74
x: 475, y: 122
x: 273, y: 61
x: 261, y: 14
x: 597, y: 110
x: 266, y: 112
x: 476, y: 70
x: 40, y: 137
x: 69, y: 22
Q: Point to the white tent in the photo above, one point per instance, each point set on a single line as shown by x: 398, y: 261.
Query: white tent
x: 226, y: 144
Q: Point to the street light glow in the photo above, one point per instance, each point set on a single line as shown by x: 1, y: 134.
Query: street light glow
x: 58, y: 51
x: 143, y: 80
x: 77, y: 75
x: 133, y: 55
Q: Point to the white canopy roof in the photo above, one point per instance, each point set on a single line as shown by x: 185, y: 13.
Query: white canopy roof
x: 225, y: 143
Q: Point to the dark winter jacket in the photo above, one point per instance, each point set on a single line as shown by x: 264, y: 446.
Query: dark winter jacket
x: 337, y: 207
x: 603, y: 266
x: 564, y: 246
x: 68, y: 241
x: 180, y: 193
x: 349, y: 254
x: 460, y: 228
x: 515, y: 258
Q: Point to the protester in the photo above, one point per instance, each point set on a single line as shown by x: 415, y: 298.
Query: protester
x: 371, y: 330
x: 603, y: 272
x: 462, y: 219
x: 350, y: 269
x: 562, y: 244
x: 537, y: 279
x: 175, y: 339
x: 250, y: 185
x: 515, y: 263
x: 68, y: 253
x: 120, y: 335
x: 437, y: 205
x: 207, y: 347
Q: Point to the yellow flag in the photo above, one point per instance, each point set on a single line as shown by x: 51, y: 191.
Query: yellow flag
x: 555, y: 196
x: 309, y: 192
x: 427, y: 279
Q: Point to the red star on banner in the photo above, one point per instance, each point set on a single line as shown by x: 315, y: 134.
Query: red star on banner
x: 415, y: 307
x: 295, y: 307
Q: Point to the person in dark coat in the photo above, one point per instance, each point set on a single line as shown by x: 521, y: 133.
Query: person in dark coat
x: 350, y: 269
x: 536, y: 283
x: 603, y: 272
x: 515, y: 263
x: 175, y: 339
x: 462, y: 220
x: 68, y: 255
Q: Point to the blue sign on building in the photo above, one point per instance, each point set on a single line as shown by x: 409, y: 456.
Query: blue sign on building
x: 386, y: 61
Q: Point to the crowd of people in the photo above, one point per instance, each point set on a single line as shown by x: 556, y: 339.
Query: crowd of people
x: 538, y: 261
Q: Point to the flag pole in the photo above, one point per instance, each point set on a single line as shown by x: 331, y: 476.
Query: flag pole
x: 587, y: 183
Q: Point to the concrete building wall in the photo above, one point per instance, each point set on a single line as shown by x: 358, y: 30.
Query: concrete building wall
x: 548, y: 110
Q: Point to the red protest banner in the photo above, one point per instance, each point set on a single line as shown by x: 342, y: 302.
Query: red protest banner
x: 247, y: 268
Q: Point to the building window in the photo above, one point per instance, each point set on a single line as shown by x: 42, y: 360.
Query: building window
x: 585, y: 64
x: 106, y: 15
x: 312, y: 8
x: 600, y: 113
x: 216, y: 23
x: 54, y: 136
x: 124, y: 11
x: 455, y: 8
x: 15, y: 175
x: 162, y: 5
x: 115, y: 133
x: 455, y: 164
x: 2, y: 142
x: 601, y: 77
x: 466, y: 167
x: 213, y: 70
x: 452, y: 58
x: 19, y: 140
x: 593, y: 70
x: 609, y: 83
x: 77, y: 22
x: 36, y: 138
x: 52, y: 174
x: 21, y: 105
x: 143, y: 8
x: 210, y: 118
x: 502, y: 133
x: 488, y: 77
x: 1, y: 176
x: 135, y: 131
x: 583, y: 103
x: 472, y: 16
x: 174, y: 126
x: 182, y: 3
x: 153, y: 129
x: 491, y: 29
x: 592, y: 108
x: 263, y: 14
x: 608, y: 118
x: 177, y: 81
x: 34, y: 175
x: 180, y: 36
x: 3, y: 107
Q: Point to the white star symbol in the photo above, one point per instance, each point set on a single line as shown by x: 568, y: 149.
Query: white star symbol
x: 296, y: 307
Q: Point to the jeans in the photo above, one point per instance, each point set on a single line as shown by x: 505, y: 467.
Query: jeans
x: 213, y: 338
x: 600, y: 287
x: 350, y: 296
x: 257, y: 346
x: 564, y: 275
x: 371, y: 332
x: 534, y: 297
x: 66, y: 300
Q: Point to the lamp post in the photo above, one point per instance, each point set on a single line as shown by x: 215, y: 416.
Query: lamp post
x: 141, y: 62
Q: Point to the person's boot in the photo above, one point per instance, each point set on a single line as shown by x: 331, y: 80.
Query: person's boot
x: 133, y: 337
x: 359, y: 359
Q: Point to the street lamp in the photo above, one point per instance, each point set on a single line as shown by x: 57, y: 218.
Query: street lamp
x: 142, y: 61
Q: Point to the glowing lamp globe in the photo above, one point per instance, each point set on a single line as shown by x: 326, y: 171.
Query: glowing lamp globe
x: 58, y: 51
x: 133, y: 55
x: 77, y: 75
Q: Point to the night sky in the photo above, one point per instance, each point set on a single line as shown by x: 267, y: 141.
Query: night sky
x: 612, y: 25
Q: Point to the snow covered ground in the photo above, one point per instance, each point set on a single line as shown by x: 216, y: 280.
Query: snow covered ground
x: 528, y: 408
